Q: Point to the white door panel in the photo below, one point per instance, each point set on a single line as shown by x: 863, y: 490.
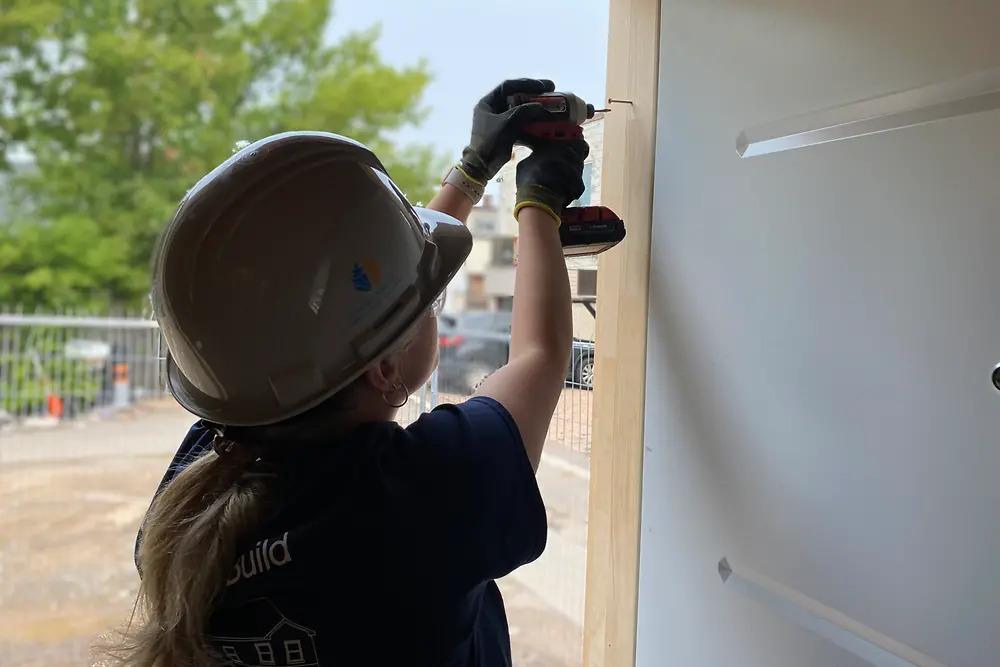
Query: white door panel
x: 823, y: 323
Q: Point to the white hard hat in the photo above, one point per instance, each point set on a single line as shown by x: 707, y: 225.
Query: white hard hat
x: 287, y: 270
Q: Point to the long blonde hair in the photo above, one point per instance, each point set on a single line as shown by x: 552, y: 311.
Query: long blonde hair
x: 197, y: 524
x: 191, y: 536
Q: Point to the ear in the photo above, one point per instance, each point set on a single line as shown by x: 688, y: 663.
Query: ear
x: 384, y: 374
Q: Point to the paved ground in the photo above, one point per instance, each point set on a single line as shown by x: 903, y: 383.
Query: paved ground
x: 73, y: 495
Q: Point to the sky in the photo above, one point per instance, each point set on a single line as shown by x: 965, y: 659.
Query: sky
x: 472, y: 45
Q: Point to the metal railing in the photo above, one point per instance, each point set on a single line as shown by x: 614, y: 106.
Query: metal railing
x: 62, y: 366
x: 469, y: 355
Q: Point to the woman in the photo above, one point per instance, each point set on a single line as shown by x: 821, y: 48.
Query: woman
x: 298, y: 523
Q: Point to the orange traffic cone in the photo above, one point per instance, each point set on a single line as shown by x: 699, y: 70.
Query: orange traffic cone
x: 121, y: 396
x: 55, y: 406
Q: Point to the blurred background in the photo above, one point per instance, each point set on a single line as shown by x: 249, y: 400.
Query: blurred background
x: 109, y: 111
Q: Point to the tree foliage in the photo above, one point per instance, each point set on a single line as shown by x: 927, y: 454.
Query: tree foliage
x: 123, y: 104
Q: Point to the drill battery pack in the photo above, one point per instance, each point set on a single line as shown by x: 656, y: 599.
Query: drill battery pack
x: 589, y: 230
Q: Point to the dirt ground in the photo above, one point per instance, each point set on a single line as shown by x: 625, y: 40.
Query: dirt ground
x: 67, y: 528
x: 65, y: 537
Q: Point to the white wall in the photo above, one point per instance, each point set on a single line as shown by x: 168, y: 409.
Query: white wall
x: 480, y: 256
x: 822, y: 326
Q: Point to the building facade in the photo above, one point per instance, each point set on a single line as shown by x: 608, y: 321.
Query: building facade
x: 486, y: 280
x: 467, y: 291
x: 582, y: 270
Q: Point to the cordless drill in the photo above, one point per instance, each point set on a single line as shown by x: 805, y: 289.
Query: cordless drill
x: 584, y: 230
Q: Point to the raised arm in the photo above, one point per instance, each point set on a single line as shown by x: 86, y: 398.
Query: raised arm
x: 449, y: 199
x: 542, y: 328
x: 528, y: 386
x: 495, y: 128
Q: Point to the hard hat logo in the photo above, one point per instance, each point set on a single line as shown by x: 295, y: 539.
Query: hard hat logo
x: 366, y: 275
x: 269, y: 303
x: 360, y: 279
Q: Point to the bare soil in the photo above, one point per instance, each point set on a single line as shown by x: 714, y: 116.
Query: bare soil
x: 71, y: 500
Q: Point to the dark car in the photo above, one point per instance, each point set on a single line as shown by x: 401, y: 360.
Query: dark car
x: 581, y: 362
x: 581, y: 365
x: 473, y: 344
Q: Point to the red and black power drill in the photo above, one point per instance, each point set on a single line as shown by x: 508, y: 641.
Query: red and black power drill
x: 585, y: 230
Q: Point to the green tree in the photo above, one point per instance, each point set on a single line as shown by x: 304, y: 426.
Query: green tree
x: 123, y: 104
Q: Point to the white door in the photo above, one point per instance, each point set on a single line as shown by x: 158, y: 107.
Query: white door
x: 823, y: 323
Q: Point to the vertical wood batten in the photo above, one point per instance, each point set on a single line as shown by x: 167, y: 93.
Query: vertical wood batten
x: 623, y: 286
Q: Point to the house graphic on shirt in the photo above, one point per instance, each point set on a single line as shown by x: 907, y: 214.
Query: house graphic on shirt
x: 264, y: 637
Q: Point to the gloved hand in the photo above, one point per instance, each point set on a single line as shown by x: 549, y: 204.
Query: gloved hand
x: 552, y: 176
x: 495, y: 127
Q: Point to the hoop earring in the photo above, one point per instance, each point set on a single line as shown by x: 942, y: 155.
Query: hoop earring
x: 396, y: 387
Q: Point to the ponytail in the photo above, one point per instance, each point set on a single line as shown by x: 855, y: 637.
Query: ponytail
x: 191, y: 537
x: 196, y: 526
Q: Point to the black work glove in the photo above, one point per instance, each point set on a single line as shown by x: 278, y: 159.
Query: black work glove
x: 552, y: 176
x: 495, y: 127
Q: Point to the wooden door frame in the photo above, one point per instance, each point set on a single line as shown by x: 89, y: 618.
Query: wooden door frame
x: 623, y: 285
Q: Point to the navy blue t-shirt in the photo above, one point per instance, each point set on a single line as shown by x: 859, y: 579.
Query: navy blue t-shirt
x: 385, y: 547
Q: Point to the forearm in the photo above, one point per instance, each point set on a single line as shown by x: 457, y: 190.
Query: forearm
x: 541, y: 333
x: 542, y: 320
x: 452, y: 201
x: 530, y: 384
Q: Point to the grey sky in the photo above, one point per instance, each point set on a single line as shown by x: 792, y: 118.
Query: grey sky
x: 470, y: 46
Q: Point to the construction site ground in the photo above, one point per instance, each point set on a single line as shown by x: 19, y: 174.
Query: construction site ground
x: 72, y: 496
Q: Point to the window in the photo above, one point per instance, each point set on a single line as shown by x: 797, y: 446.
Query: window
x: 482, y: 223
x: 586, y: 282
x: 293, y: 652
x: 265, y: 654
x: 486, y: 226
x: 503, y: 252
x: 476, y: 296
x: 232, y: 655
x: 584, y: 199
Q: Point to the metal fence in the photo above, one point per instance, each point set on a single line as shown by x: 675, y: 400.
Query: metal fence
x: 570, y: 425
x: 469, y: 355
x: 63, y: 366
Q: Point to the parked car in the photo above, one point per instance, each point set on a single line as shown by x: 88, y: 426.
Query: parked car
x: 581, y: 365
x: 473, y: 344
